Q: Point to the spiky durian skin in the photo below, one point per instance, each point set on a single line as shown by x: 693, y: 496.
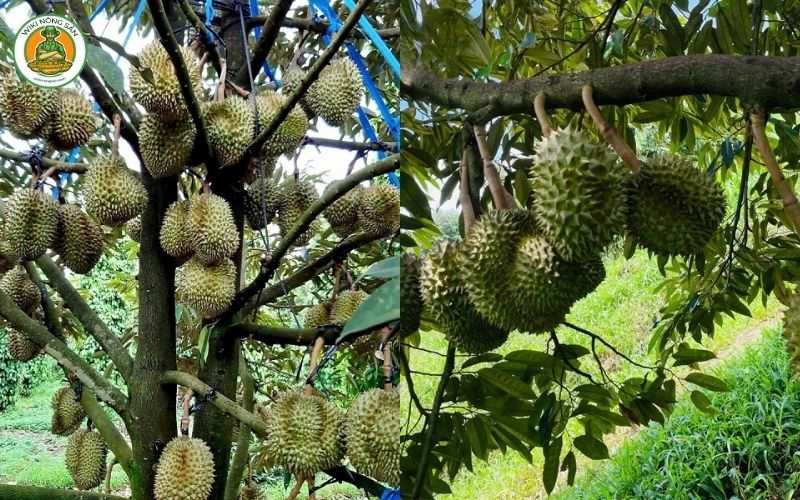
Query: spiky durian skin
x: 80, y: 239
x: 373, y: 435
x: 185, y: 470
x: 209, y: 289
x: 213, y: 231
x: 444, y: 295
x: 23, y: 292
x: 163, y: 96
x: 20, y: 347
x: 25, y: 108
x: 379, y: 210
x: 337, y: 92
x: 673, y: 207
x: 113, y: 194
x: 294, y: 198
x: 345, y: 305
x: 134, y: 229
x: 85, y: 458
x: 410, y: 296
x: 342, y: 214
x: 578, y: 190
x: 791, y: 332
x: 72, y: 122
x: 175, y: 236
x: 31, y: 223
x: 261, y: 202
x: 166, y: 147
x: 287, y: 138
x: 67, y: 412
x: 251, y: 491
x: 291, y: 79
x: 317, y: 315
x: 231, y: 126
x: 8, y: 259
x: 304, y: 433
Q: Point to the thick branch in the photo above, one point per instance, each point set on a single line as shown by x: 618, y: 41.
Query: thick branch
x: 274, y: 335
x: 320, y: 27
x: 269, y: 34
x: 206, y: 36
x: 349, y: 145
x: 17, y: 492
x: 111, y: 435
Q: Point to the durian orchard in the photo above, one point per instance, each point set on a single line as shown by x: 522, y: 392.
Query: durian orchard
x: 227, y: 229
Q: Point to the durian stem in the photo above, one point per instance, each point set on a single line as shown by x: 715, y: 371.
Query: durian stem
x: 108, y: 475
x: 312, y: 494
x: 319, y: 343
x: 609, y: 134
x: 222, y: 77
x: 296, y: 490
x: 466, y: 201
x: 386, y: 333
x: 541, y: 114
x: 790, y: 206
x: 117, y: 134
x: 501, y: 198
x: 187, y: 397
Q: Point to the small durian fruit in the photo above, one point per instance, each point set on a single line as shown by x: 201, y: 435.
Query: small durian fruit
x: 155, y: 85
x: 31, y: 223
x: 261, y: 202
x: 287, y: 138
x: 304, y: 433
x: 185, y: 470
x: 85, y: 458
x: 231, y: 126
x: 291, y: 79
x: 578, y: 190
x: 166, y: 147
x: 67, y: 412
x: 295, y: 197
x: 674, y: 208
x: 317, y: 315
x: 373, y: 433
x: 337, y: 92
x: 8, y: 259
x: 379, y: 210
x: 208, y: 289
x: 134, y: 229
x: 23, y: 292
x: 175, y: 235
x: 345, y: 305
x: 72, y: 122
x: 441, y: 283
x: 25, y: 108
x: 80, y: 239
x: 410, y: 297
x: 251, y: 491
x: 20, y: 347
x: 114, y: 195
x: 212, y: 230
x: 342, y: 214
x: 791, y: 332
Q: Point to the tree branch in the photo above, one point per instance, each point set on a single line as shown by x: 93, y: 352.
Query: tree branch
x: 17, y: 492
x: 320, y: 27
x: 349, y: 145
x: 206, y: 36
x: 274, y: 335
x: 242, y: 455
x: 111, y: 435
x: 269, y: 34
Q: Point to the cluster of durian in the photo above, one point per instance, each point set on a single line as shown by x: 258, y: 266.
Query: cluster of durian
x: 85, y: 458
x: 337, y: 311
x: 373, y: 210
x: 334, y: 96
x: 63, y: 117
x: 26, y: 295
x: 791, y: 332
x: 185, y: 470
x: 372, y: 435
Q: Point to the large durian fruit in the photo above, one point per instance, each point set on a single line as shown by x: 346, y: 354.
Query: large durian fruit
x: 379, y: 210
x: 442, y: 286
x: 372, y: 432
x: 410, y: 296
x: 261, y: 202
x: 20, y: 347
x: 185, y: 470
x: 212, y: 228
x: 317, y: 315
x: 578, y: 190
x: 294, y: 198
x: 80, y: 239
x: 166, y: 147
x: 342, y: 214
x: 208, y: 289
x: 674, y: 208
x: 31, y: 223
x: 292, y: 77
x: 304, y: 433
x: 791, y: 332
x: 72, y: 122
x: 113, y: 194
x: 67, y: 412
x: 161, y: 95
x: 337, y: 92
x: 345, y: 305
x: 85, y: 458
x: 175, y: 236
x: 23, y: 292
x: 25, y: 108
x: 231, y: 126
x: 287, y: 138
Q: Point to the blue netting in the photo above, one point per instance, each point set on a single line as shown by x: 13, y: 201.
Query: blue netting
x: 389, y: 494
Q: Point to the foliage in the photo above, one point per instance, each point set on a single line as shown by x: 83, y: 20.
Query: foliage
x: 18, y: 379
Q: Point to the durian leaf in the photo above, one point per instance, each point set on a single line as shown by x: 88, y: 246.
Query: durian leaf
x: 507, y: 383
x: 687, y: 356
x: 380, y: 308
x: 708, y: 381
x: 101, y: 61
x: 702, y: 402
x: 591, y: 447
x: 552, y: 454
x: 385, y: 269
x: 7, y: 33
x: 571, y: 466
x: 202, y: 344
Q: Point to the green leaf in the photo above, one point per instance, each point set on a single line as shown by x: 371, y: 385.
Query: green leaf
x: 571, y: 466
x: 202, y: 344
x: 591, y: 447
x: 487, y: 357
x: 413, y: 198
x: 702, y: 402
x: 380, y: 308
x: 686, y: 356
x: 385, y: 269
x: 7, y: 32
x: 507, y: 383
x: 708, y: 381
x: 552, y: 455
x: 102, y: 62
x: 533, y: 358
x: 478, y: 437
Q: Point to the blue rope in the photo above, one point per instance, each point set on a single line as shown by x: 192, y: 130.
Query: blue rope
x: 392, y: 122
x: 373, y: 35
x: 389, y: 494
x: 254, y: 12
x: 136, y: 18
x: 209, y: 8
x: 100, y: 8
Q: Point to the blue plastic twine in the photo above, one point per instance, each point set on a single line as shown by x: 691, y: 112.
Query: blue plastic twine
x: 254, y: 12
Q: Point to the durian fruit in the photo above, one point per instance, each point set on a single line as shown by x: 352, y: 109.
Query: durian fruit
x: 80, y: 239
x: 251, y: 491
x: 287, y: 138
x: 67, y: 412
x: 114, y: 195
x: 443, y: 292
x: 8, y: 259
x: 291, y: 79
x: 231, y: 126
x: 317, y: 315
x: 31, y: 223
x: 24, y: 292
x: 85, y: 458
x: 209, y: 289
x: 674, y: 208
x: 175, y: 235
x: 578, y: 190
x: 72, y: 122
x: 20, y: 347
x: 342, y: 214
x: 185, y: 470
x: 379, y: 210
x: 345, y: 305
x: 410, y: 296
x: 304, y: 433
x: 337, y: 92
x: 212, y: 229
x: 161, y: 95
x: 373, y: 435
x: 166, y: 147
x: 295, y: 197
x: 261, y: 202
x: 25, y: 108
x: 134, y: 229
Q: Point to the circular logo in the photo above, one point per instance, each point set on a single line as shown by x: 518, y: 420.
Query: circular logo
x: 49, y: 51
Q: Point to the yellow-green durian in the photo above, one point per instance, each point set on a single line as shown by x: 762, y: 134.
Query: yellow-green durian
x: 25, y: 108
x: 212, y: 229
x: 373, y: 435
x: 261, y: 202
x: 113, y: 193
x: 317, y: 315
x: 231, y: 126
x: 342, y: 214
x: 166, y: 147
x: 345, y: 305
x: 85, y: 458
x: 295, y: 197
x: 72, y: 122
x: 31, y: 223
x: 175, y: 236
x: 208, y: 289
x: 20, y: 347
x: 185, y: 470
x: 337, y: 92
x: 287, y: 138
x: 155, y: 84
x: 67, y: 412
x: 379, y: 210
x: 410, y: 296
x: 80, y: 239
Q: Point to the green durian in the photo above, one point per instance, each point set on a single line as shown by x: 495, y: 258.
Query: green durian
x: 155, y: 84
x: 290, y: 133
x: 175, y: 236
x: 345, y: 305
x: 185, y: 470
x: 379, y: 210
x: 342, y: 214
x: 295, y: 197
x: 23, y: 292
x: 373, y: 435
x: 85, y: 458
x: 208, y: 289
x: 261, y: 202
x: 166, y: 147
x: 113, y: 193
x: 20, y: 347
x: 80, y: 239
x: 67, y: 412
x: 337, y: 92
x: 25, y: 108
x: 231, y: 126
x: 410, y: 296
x: 317, y: 315
x: 72, y: 122
x: 212, y: 230
x: 31, y: 223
